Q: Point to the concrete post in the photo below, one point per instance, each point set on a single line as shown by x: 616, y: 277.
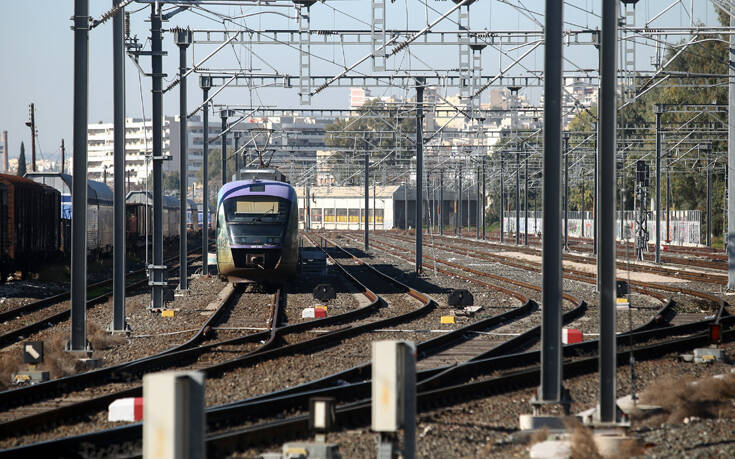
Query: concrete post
x: 708, y: 155
x: 484, y: 197
x: 459, y: 198
x: 518, y: 196
x: 223, y: 141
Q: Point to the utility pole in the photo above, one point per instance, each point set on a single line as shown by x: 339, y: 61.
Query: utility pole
x: 78, y: 340
x: 183, y: 38
x: 484, y: 196
x: 441, y: 202
x: 708, y: 155
x: 367, y: 193
x: 205, y: 82
x: 31, y: 123
x: 730, y: 243
x: 459, y: 192
x: 236, y: 135
x: 118, y: 108
x: 607, y: 410
x: 477, y: 205
x: 595, y: 201
x: 518, y: 195
x: 223, y: 139
x: 566, y: 192
x: 419, y: 171
x: 550, y: 390
x: 658, y: 109
x: 525, y: 193
x: 405, y: 206
x: 63, y: 154
x: 158, y: 270
x: 502, y: 196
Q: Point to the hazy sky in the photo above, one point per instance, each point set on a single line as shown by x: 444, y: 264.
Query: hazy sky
x: 37, y: 55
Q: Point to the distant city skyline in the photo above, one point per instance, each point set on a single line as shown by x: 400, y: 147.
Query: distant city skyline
x: 37, y: 57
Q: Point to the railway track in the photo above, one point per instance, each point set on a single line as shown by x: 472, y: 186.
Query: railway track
x: 648, y: 288
x: 702, y: 258
x: 47, y: 312
x: 351, y: 391
x: 179, y: 356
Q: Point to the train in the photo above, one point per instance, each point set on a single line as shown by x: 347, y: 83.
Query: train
x: 257, y: 228
x: 36, y: 212
x: 29, y: 224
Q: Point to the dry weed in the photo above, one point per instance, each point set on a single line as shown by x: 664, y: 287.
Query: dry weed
x: 709, y: 397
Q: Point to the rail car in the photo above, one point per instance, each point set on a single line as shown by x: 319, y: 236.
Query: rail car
x: 257, y: 229
x: 29, y: 224
x: 99, y: 211
x: 139, y: 210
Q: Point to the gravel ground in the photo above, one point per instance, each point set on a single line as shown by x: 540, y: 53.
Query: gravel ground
x: 482, y: 427
x: 151, y: 333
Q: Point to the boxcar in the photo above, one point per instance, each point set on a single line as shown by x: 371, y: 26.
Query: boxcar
x: 136, y: 205
x: 29, y: 223
x: 99, y: 209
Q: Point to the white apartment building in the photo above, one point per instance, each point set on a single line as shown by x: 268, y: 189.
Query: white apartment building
x: 139, y: 142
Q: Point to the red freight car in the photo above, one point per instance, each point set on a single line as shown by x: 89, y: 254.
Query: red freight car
x: 29, y: 224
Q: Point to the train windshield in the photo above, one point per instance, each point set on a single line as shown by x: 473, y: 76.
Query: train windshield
x: 256, y: 210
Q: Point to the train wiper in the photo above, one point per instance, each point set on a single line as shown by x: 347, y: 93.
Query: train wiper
x: 260, y: 218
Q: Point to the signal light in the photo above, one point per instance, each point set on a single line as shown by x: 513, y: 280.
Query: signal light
x: 715, y: 333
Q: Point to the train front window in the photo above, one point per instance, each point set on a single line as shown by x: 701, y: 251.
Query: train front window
x: 256, y: 210
x: 260, y: 234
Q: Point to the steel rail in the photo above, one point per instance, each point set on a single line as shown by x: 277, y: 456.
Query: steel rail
x: 13, y: 336
x: 277, y: 402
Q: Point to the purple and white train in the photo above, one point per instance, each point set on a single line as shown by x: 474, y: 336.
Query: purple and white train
x: 257, y: 228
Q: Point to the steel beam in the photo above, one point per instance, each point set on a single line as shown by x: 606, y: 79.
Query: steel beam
x: 419, y: 171
x: 606, y: 259
x: 78, y: 338
x: 708, y: 155
x: 459, y: 199
x: 658, y: 110
x: 157, y: 271
x: 441, y: 202
x: 367, y: 195
x: 730, y: 243
x: 205, y: 83
x: 525, y: 195
x: 502, y: 196
x: 223, y: 143
x: 518, y: 196
x: 183, y: 40
x: 550, y: 390
x: 566, y: 192
x: 118, y: 109
x: 484, y: 196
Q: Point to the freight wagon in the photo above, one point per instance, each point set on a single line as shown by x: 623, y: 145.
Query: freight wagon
x: 136, y: 204
x: 29, y: 224
x: 99, y: 210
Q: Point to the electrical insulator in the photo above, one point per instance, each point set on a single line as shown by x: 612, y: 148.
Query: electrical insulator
x: 127, y: 24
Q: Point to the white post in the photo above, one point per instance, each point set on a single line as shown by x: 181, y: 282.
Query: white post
x: 173, y: 415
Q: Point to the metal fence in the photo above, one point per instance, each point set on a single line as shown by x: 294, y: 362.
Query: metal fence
x: 685, y: 226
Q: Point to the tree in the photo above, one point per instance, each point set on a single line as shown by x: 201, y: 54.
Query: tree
x: 22, y: 160
x: 171, y: 182
x: 379, y: 128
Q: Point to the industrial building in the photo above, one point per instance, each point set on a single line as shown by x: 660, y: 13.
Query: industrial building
x: 394, y: 206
